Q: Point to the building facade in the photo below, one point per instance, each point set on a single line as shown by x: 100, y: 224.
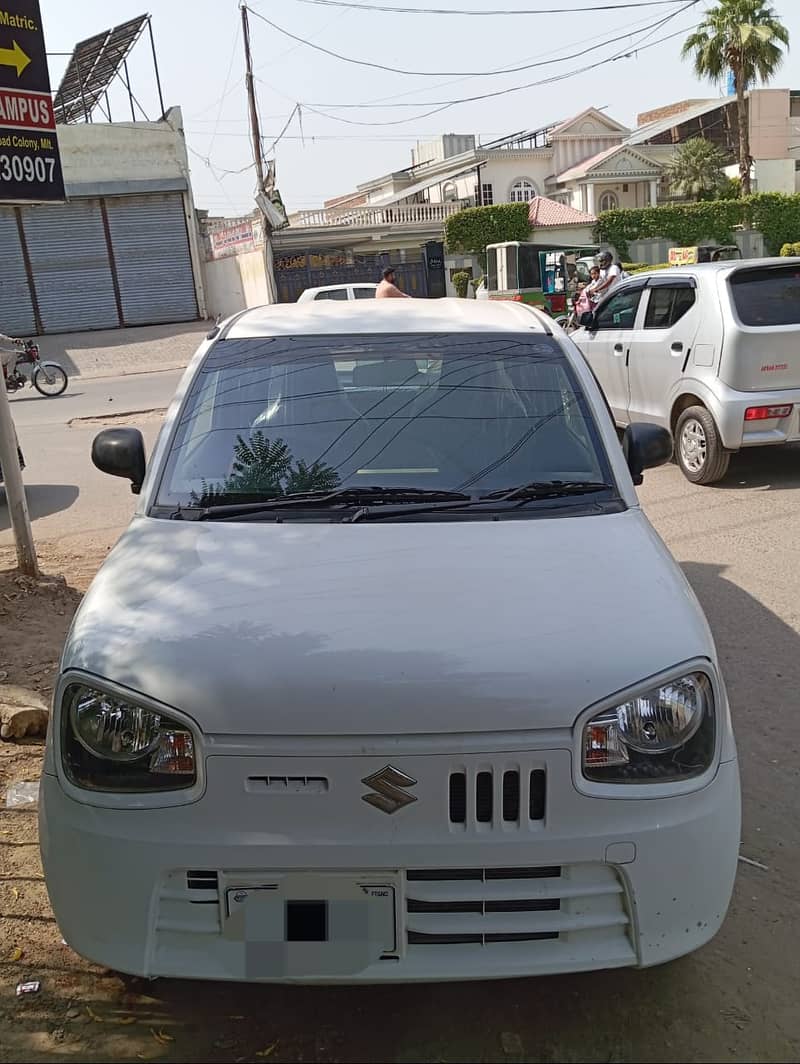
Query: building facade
x: 122, y: 250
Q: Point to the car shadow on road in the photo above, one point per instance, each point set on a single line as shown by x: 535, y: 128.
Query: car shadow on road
x: 771, y: 468
x: 43, y: 500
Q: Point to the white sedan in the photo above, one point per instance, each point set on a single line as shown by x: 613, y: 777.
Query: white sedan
x: 389, y: 678
x: 339, y: 291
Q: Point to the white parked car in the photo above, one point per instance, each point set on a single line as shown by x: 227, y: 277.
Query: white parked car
x: 338, y: 291
x: 711, y: 352
x: 389, y: 678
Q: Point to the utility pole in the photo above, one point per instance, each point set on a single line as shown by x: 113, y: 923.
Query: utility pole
x: 15, y: 490
x: 265, y: 187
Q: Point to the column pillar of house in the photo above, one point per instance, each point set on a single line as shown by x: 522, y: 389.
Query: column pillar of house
x: 590, y: 204
x: 653, y: 193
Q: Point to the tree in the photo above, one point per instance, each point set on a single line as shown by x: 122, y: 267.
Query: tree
x: 264, y: 470
x: 696, y: 169
x: 744, y: 37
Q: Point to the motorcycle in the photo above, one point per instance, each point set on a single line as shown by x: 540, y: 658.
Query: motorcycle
x: 48, y: 378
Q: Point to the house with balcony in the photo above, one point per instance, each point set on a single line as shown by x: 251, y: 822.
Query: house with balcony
x: 589, y: 163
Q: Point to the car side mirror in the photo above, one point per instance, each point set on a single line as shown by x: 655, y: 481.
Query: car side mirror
x: 120, y: 453
x: 587, y: 319
x: 646, y: 447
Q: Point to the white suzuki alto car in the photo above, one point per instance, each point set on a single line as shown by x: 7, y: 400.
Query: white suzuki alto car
x: 711, y: 352
x: 389, y: 678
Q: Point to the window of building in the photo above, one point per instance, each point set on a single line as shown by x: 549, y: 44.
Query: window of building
x: 487, y: 195
x: 449, y: 192
x: 608, y: 202
x: 523, y: 191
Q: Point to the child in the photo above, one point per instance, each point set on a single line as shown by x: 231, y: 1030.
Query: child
x: 585, y: 302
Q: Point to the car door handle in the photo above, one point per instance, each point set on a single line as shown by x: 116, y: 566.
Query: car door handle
x: 618, y: 349
x: 677, y: 347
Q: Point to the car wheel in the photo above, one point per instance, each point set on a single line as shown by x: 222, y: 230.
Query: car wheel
x: 698, y: 448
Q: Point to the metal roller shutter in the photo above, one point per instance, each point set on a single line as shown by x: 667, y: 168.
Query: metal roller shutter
x: 151, y: 252
x: 69, y: 259
x: 16, y: 309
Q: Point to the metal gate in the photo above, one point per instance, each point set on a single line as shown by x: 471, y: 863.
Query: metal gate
x: 69, y: 263
x: 293, y: 280
x: 95, y: 264
x: 150, y: 246
x: 16, y: 309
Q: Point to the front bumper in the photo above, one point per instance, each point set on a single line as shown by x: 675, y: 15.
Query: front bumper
x: 591, y: 883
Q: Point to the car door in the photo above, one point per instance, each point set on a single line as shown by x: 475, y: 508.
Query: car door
x: 607, y: 343
x: 661, y: 346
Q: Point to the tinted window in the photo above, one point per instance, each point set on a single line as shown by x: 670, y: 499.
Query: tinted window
x: 512, y: 272
x: 364, y: 293
x: 529, y: 272
x: 491, y: 269
x: 334, y: 293
x: 767, y: 296
x: 266, y: 417
x: 619, y: 312
x: 667, y: 306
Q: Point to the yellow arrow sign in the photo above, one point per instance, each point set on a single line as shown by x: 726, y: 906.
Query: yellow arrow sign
x: 15, y: 57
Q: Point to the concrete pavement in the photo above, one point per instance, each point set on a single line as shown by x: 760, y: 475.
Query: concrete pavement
x: 114, y: 352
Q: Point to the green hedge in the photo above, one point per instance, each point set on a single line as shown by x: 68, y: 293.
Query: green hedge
x: 461, y: 281
x: 470, y: 230
x: 774, y: 214
x: 790, y: 250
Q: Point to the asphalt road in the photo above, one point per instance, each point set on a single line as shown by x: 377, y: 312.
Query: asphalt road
x: 734, y: 1000
x: 68, y: 499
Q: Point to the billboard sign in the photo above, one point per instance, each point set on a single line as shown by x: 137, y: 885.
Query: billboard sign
x: 30, y: 165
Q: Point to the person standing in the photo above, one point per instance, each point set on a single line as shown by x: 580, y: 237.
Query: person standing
x: 387, y: 289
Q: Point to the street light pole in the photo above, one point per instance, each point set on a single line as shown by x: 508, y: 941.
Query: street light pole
x: 15, y: 490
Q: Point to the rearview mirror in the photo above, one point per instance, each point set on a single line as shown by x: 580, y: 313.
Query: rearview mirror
x: 587, y: 319
x: 120, y: 453
x: 646, y: 447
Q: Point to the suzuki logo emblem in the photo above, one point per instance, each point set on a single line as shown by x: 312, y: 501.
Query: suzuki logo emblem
x: 388, y: 789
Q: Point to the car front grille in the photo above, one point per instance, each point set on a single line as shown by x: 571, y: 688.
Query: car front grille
x: 503, y: 797
x: 481, y: 906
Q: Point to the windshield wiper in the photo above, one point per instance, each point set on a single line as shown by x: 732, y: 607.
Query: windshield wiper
x: 538, y: 489
x: 353, y: 496
x: 545, y: 489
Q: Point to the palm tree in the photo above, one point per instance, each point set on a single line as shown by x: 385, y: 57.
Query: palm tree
x: 696, y: 169
x: 747, y: 38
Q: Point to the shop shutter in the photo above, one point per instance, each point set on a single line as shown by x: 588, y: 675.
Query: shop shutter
x: 69, y: 259
x: 151, y: 252
x: 16, y: 310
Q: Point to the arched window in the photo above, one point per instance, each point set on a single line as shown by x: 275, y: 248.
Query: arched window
x: 523, y: 191
x: 608, y: 202
x: 449, y: 192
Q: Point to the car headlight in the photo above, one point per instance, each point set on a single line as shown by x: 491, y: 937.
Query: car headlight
x: 113, y: 744
x: 663, y: 734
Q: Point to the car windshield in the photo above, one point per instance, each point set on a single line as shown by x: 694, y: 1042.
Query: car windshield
x: 268, y: 418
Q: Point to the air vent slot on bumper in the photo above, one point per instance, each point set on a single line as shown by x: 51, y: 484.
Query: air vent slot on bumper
x: 446, y: 907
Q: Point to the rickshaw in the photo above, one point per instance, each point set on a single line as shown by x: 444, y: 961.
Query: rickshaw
x: 529, y: 273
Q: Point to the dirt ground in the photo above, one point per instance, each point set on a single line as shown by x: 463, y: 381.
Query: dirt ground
x: 737, y: 999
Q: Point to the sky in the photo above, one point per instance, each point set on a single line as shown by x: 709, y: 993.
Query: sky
x: 326, y: 149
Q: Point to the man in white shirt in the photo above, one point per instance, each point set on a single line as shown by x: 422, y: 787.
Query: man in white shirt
x: 610, y: 275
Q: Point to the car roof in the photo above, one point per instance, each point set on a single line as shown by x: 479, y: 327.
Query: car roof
x: 339, y: 287
x: 386, y: 316
x: 728, y: 265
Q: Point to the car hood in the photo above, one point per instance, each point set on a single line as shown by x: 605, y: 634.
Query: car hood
x: 386, y: 628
